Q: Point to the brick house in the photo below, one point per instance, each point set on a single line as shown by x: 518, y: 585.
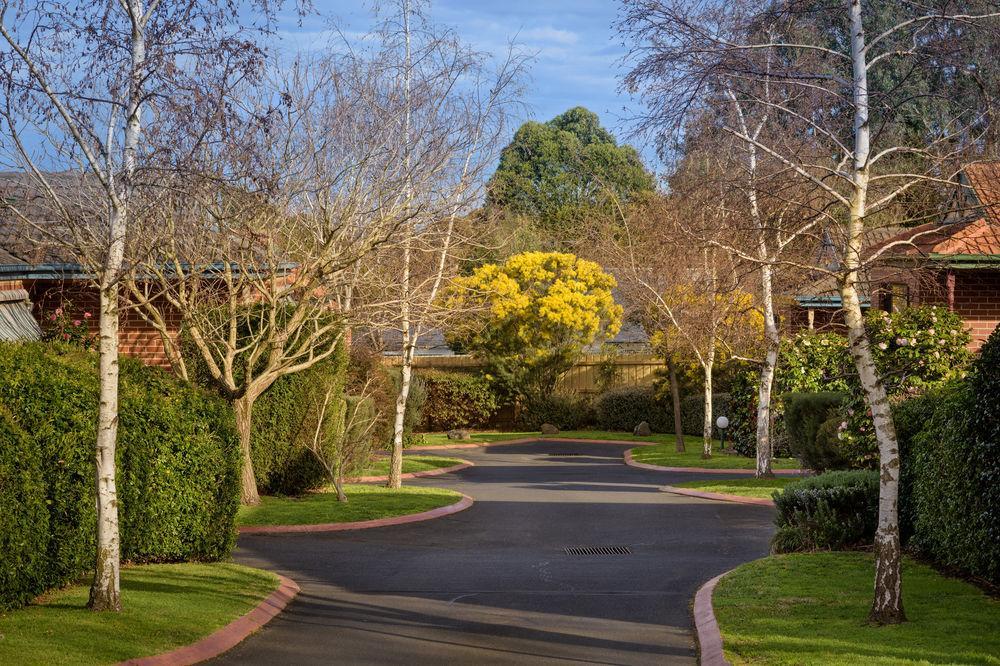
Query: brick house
x: 953, y: 263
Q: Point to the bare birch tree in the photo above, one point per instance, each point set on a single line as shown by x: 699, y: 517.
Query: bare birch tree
x: 863, y: 76
x: 81, y: 81
x: 454, y: 107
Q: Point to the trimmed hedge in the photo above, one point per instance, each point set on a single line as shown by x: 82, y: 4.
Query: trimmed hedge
x: 178, y: 468
x: 563, y: 411
x: 622, y: 409
x: 829, y: 511
x: 457, y: 400
x: 284, y: 422
x: 693, y: 413
x: 804, y: 414
x: 951, y: 469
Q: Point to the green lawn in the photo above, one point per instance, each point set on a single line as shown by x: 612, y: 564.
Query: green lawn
x: 667, y: 456
x: 165, y: 606
x: 742, y: 487
x: 811, y: 609
x: 411, y: 464
x: 440, y: 438
x: 364, y: 502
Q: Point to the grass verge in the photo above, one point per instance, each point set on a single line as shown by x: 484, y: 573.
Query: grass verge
x: 364, y: 502
x: 666, y: 456
x: 440, y: 438
x: 742, y: 487
x: 810, y: 609
x: 165, y: 606
x: 411, y: 465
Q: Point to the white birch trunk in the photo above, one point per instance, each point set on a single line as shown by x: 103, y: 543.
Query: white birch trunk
x: 707, y: 424
x: 765, y: 449
x: 887, y: 605
x: 105, y: 591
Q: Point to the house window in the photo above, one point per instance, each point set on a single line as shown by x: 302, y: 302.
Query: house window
x: 896, y: 297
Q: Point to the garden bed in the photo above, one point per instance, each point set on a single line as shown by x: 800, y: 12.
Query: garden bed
x: 811, y: 609
x: 364, y: 503
x: 164, y: 607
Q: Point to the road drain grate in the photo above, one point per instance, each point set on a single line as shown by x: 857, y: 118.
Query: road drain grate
x: 598, y: 550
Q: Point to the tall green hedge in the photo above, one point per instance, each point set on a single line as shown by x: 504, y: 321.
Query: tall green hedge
x: 178, y: 468
x: 804, y: 414
x: 458, y: 400
x: 951, y: 446
x: 284, y: 421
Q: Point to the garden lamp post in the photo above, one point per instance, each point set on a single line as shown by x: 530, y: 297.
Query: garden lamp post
x: 722, y: 423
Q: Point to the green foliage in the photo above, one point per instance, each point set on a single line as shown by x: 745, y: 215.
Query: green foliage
x: 743, y: 385
x: 951, y: 469
x: 415, y: 401
x: 814, y: 362
x: 285, y: 423
x: 533, y: 316
x: 693, y: 413
x: 566, y: 412
x: 178, y: 467
x: 623, y: 408
x: 565, y: 171
x: 805, y: 413
x: 458, y: 400
x: 831, y: 511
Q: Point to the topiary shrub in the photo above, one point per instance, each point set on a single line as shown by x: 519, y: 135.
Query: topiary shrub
x: 622, y: 409
x: 284, y: 422
x: 178, y: 468
x: 830, y: 511
x: 457, y: 400
x: 804, y: 414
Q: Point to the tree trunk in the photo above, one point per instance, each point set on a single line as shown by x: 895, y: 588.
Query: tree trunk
x: 707, y: 430
x: 105, y: 592
x: 243, y: 407
x: 887, y: 604
x: 675, y: 396
x: 338, y: 484
x: 765, y: 450
x: 396, y: 462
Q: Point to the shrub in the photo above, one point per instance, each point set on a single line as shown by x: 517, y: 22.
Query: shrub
x: 952, y: 468
x: 178, y: 468
x: 566, y: 412
x: 693, y: 412
x: 829, y: 511
x: 284, y: 423
x: 622, y: 409
x: 458, y: 400
x: 804, y: 414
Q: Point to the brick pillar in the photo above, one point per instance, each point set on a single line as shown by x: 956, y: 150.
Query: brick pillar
x: 950, y: 282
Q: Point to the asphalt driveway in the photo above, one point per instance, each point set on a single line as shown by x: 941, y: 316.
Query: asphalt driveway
x: 495, y: 585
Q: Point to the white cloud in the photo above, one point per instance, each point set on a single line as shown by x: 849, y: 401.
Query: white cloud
x: 549, y: 34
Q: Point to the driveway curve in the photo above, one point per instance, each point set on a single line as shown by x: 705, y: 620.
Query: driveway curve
x: 495, y: 584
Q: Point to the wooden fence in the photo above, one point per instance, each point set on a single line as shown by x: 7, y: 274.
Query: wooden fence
x: 585, y: 377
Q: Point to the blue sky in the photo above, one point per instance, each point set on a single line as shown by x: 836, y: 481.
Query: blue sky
x: 576, y: 50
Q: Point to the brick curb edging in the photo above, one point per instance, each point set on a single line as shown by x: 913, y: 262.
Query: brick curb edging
x: 706, y: 627
x: 630, y: 461
x: 526, y: 440
x: 228, y: 636
x: 414, y: 475
x: 724, y: 497
x: 461, y: 505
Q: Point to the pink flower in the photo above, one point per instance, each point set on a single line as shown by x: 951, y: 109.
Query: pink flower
x: 58, y: 312
x: 77, y: 322
x: 52, y: 317
x: 883, y: 346
x: 87, y: 315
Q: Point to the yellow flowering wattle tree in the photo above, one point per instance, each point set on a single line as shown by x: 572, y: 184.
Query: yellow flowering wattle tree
x: 531, y: 317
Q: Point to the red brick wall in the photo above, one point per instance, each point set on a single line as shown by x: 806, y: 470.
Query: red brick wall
x: 977, y: 300
x: 137, y: 338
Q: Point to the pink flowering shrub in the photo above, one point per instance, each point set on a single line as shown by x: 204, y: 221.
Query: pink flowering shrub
x: 62, y: 326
